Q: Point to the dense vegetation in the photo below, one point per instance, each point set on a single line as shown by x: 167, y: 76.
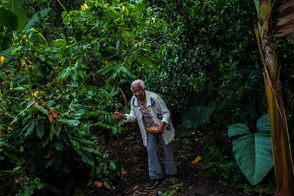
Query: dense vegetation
x: 66, y: 70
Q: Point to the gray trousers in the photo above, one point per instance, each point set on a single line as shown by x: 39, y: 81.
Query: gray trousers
x: 154, y: 167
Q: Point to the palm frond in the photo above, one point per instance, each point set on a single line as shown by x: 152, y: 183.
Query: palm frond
x: 285, y: 26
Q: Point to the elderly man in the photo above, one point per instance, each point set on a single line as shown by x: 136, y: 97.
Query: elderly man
x: 153, y: 117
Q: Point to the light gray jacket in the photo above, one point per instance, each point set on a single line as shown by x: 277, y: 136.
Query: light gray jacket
x: 159, y: 113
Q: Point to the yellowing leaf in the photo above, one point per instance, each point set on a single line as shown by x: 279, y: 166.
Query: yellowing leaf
x: 21, y: 149
x: 197, y: 160
x: 84, y: 7
x: 2, y: 59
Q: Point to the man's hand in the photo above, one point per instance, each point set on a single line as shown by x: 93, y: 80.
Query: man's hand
x: 160, y: 128
x: 119, y: 115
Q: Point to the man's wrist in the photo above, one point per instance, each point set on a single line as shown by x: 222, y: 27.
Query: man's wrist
x: 123, y: 116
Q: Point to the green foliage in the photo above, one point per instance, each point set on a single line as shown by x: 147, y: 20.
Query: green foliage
x: 57, y: 95
x: 253, y: 151
x: 13, y: 16
x: 209, y: 52
x: 198, y: 114
x: 71, y: 57
x: 174, y: 189
x: 219, y: 164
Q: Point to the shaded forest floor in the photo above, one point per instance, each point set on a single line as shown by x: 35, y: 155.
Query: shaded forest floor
x: 191, y: 179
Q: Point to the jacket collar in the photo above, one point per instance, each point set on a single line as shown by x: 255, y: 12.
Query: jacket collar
x: 148, y: 99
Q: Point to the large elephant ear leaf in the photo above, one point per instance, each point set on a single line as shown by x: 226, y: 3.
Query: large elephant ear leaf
x: 238, y: 129
x: 252, y: 151
x: 197, y: 115
x: 16, y: 8
x: 263, y: 124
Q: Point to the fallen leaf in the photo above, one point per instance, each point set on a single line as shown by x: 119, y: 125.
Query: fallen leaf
x: 197, y: 160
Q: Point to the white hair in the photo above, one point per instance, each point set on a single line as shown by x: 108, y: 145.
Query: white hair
x: 138, y: 81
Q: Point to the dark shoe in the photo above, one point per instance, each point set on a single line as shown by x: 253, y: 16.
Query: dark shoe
x: 151, y: 184
x: 170, y: 176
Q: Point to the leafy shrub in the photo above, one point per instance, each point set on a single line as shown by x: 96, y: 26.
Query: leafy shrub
x: 220, y: 164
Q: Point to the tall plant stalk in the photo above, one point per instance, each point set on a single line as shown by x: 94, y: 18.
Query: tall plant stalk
x: 282, y: 156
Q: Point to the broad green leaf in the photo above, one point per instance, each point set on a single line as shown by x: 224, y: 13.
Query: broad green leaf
x: 91, y: 150
x: 78, y: 150
x: 85, y: 141
x: 197, y: 115
x: 51, y: 162
x: 58, y: 145
x: 105, y: 155
x: 82, y: 91
x: 253, y: 151
x: 40, y: 129
x: 30, y: 103
x: 80, y: 112
x: 70, y: 122
x: 65, y: 73
x: 42, y: 109
x: 88, y: 160
x: 164, y: 28
x: 30, y: 129
x: 16, y: 7
x: 238, y: 129
x: 112, y: 166
x: 74, y: 74
x: 18, y: 88
x: 57, y: 128
x: 75, y: 84
x: 45, y: 141
x: 117, y: 43
x: 51, y: 132
x: 12, y: 156
x: 263, y: 124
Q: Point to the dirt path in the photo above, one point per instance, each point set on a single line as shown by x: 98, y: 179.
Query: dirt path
x: 191, y: 179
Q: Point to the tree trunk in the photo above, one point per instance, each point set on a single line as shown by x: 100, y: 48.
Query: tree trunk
x: 282, y: 156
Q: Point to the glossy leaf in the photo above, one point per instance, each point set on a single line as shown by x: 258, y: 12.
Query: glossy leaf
x: 15, y: 6
x: 253, y: 151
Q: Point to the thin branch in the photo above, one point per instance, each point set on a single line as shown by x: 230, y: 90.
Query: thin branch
x: 61, y: 5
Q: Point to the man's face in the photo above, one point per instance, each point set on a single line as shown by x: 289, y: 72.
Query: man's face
x: 139, y: 92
